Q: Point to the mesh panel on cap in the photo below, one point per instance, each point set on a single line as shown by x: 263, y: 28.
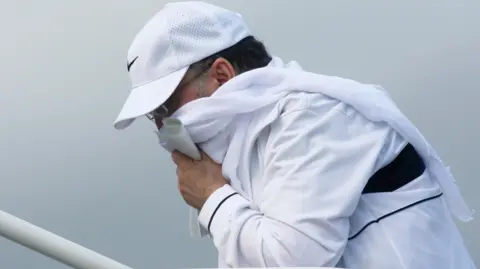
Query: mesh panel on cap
x: 181, y: 34
x: 200, y: 30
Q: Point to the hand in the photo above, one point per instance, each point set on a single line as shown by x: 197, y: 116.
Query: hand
x: 197, y: 180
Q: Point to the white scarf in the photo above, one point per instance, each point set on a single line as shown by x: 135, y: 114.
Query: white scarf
x: 218, y: 124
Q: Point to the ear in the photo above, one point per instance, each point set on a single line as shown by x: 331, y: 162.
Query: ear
x: 222, y: 71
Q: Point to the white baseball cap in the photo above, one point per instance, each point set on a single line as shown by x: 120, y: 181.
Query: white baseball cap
x: 177, y: 36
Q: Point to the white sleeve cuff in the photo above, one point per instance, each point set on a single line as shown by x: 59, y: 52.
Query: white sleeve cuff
x: 218, y: 209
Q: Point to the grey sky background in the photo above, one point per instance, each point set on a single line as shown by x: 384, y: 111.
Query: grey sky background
x: 63, y: 73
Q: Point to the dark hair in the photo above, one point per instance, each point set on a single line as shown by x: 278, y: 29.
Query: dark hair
x: 249, y: 53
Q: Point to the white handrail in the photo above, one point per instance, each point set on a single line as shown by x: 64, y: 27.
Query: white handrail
x: 52, y: 245
x: 61, y: 249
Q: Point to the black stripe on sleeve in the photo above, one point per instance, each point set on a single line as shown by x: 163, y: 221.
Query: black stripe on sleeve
x: 216, y: 209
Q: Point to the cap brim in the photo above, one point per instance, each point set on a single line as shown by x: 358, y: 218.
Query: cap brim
x: 147, y: 97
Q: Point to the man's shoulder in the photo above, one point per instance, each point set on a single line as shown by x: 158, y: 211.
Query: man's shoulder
x: 304, y: 111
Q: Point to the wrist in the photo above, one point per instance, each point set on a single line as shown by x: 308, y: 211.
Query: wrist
x: 209, y: 191
x: 214, y: 205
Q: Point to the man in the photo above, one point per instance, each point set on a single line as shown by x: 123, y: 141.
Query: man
x: 297, y: 169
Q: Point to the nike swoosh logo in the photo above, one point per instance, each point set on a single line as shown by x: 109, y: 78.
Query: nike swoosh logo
x: 129, y: 65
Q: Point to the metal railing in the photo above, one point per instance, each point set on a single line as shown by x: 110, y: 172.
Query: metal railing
x: 59, y: 248
x: 53, y: 246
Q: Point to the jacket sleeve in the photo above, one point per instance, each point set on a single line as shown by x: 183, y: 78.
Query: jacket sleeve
x: 315, y: 167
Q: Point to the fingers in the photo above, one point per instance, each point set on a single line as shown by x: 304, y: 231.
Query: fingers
x: 179, y: 157
x: 206, y: 157
x: 203, y: 155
